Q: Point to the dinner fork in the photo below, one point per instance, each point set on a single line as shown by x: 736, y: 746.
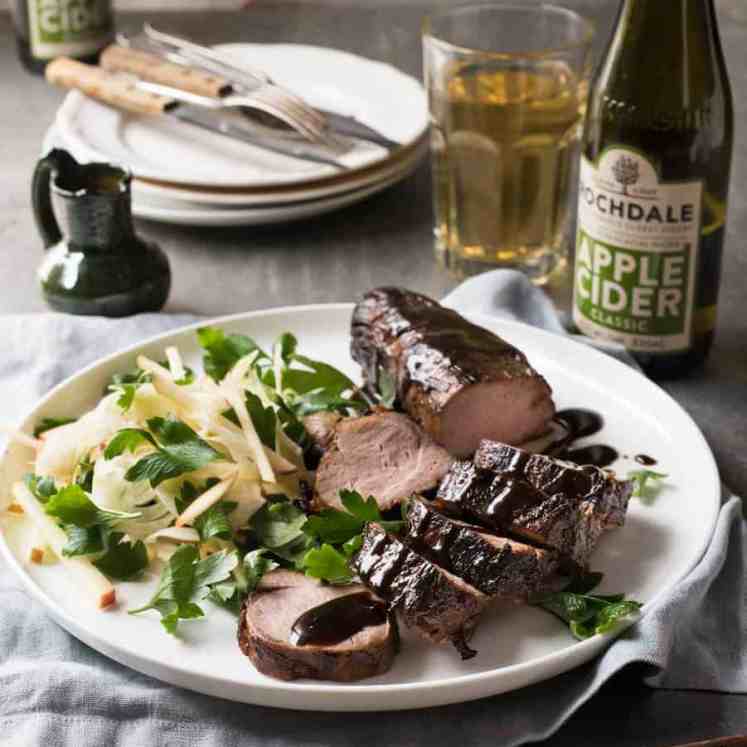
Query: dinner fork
x: 255, y: 84
x: 336, y: 146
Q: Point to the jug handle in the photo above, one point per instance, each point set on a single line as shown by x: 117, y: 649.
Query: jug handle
x: 41, y: 201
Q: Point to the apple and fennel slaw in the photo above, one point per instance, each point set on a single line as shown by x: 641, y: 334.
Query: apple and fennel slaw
x: 170, y: 468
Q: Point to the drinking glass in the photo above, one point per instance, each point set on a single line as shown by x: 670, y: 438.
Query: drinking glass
x: 507, y: 88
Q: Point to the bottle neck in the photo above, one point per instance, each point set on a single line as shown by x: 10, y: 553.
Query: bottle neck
x: 663, y: 53
x: 671, y: 12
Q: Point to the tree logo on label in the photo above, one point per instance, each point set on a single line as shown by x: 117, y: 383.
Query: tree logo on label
x: 625, y: 171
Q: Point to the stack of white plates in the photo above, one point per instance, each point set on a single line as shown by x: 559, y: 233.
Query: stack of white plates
x: 186, y: 175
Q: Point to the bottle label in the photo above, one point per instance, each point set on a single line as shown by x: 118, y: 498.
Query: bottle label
x: 68, y: 27
x: 636, y: 253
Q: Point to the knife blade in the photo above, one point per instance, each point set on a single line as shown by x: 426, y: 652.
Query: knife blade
x: 233, y: 125
x: 122, y: 93
x: 343, y: 124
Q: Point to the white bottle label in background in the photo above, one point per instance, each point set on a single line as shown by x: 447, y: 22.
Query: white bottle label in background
x: 636, y: 253
x: 68, y: 27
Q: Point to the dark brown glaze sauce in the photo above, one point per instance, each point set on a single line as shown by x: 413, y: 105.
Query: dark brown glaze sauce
x: 337, y: 620
x: 597, y: 454
x: 512, y: 497
x: 645, y: 460
x: 580, y: 423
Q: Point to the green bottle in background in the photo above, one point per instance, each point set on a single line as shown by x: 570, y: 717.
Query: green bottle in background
x: 46, y: 29
x: 654, y: 177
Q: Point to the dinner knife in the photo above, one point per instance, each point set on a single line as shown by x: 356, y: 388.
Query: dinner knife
x: 121, y: 92
x: 153, y: 68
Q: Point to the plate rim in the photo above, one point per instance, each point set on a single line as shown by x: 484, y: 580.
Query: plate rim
x: 266, y: 215
x: 478, y: 682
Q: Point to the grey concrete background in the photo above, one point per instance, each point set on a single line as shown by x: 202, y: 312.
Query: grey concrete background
x: 387, y: 239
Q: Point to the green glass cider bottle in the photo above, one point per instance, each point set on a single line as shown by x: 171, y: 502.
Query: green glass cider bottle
x: 46, y: 29
x: 654, y: 177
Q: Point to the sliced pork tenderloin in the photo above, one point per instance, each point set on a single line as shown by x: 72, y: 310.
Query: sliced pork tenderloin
x: 461, y: 382
x: 385, y: 454
x: 497, y: 566
x: 569, y: 524
x: 610, y: 495
x: 435, y: 603
x: 265, y: 633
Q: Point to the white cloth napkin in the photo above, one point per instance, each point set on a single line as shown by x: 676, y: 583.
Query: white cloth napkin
x: 57, y: 692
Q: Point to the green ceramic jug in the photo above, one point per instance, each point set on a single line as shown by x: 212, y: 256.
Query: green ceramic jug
x: 101, y: 266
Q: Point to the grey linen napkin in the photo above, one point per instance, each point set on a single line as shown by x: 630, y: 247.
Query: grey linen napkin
x: 56, y: 691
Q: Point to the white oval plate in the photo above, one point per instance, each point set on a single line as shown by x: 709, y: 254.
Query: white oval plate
x: 166, y: 149
x: 658, y: 546
x: 171, y: 211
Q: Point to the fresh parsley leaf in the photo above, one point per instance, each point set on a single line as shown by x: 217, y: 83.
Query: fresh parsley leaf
x: 278, y: 524
x: 214, y: 568
x: 386, y: 386
x: 367, y: 510
x: 178, y: 450
x: 82, y: 540
x: 321, y: 400
x: 135, y: 376
x: 122, y: 559
x: 214, y: 522
x: 263, y: 419
x: 293, y: 553
x: 285, y: 347
x: 90, y: 531
x: 320, y: 376
x: 128, y: 439
x: 337, y: 527
x: 587, y: 614
x: 226, y: 595
x: 42, y: 488
x: 327, y: 564
x: 127, y: 384
x: 185, y: 581
x: 84, y: 474
x: 47, y: 424
x: 189, y: 374
x: 641, y: 479
x: 333, y: 526
x: 255, y: 565
x: 352, y: 545
x: 71, y: 505
x: 223, y: 351
x: 126, y: 396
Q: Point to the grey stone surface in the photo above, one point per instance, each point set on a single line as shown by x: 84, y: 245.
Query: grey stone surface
x: 387, y: 239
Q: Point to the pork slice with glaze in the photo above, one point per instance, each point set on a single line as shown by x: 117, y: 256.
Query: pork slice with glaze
x: 265, y: 632
x: 385, y: 454
x: 497, y: 566
x: 609, y: 496
x: 461, y: 382
x: 433, y: 602
x: 570, y: 526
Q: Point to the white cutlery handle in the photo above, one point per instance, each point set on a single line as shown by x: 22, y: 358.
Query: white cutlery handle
x: 155, y: 69
x: 112, y: 89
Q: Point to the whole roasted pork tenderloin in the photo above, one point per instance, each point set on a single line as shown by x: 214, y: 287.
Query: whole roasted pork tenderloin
x: 461, y: 382
x: 435, y: 603
x: 385, y: 454
x: 266, y: 632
